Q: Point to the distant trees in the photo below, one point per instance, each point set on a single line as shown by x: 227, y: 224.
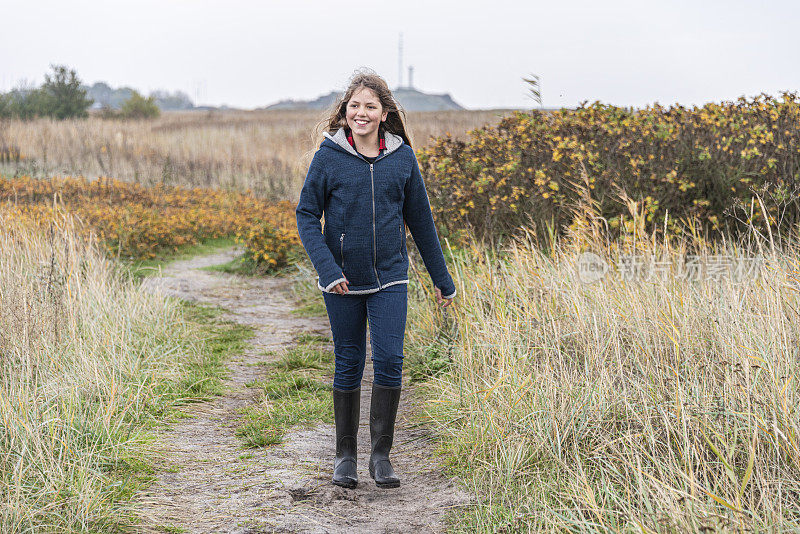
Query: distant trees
x: 172, y: 101
x: 135, y: 107
x: 107, y: 97
x: 139, y: 107
x: 64, y: 95
x: 61, y: 97
x: 23, y: 103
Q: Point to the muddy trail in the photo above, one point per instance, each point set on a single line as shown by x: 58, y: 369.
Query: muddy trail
x: 210, y: 483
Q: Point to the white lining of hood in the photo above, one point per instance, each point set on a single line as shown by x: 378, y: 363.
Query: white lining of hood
x: 393, y: 141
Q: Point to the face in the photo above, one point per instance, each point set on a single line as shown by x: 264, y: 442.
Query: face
x: 364, y: 112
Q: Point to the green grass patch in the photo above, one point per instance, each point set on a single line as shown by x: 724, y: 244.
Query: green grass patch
x: 245, y: 266
x: 296, y: 392
x: 431, y: 358
x: 306, y: 355
x: 140, y: 269
x: 171, y: 529
x: 222, y: 339
x: 311, y: 309
x: 308, y: 298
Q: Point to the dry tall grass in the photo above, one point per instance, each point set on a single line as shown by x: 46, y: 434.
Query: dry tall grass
x: 266, y: 151
x: 86, y: 360
x: 667, y: 405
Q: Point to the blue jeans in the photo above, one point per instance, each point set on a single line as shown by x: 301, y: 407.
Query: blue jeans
x: 348, y: 314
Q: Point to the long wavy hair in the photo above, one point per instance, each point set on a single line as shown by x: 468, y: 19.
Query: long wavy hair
x: 335, y: 117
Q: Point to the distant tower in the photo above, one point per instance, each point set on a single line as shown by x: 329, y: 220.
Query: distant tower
x: 400, y: 61
x: 410, y: 77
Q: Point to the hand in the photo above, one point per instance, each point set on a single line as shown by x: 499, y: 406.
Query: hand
x: 443, y: 301
x: 341, y: 287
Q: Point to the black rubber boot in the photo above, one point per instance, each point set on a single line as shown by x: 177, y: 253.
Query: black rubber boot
x: 346, y: 410
x: 383, y: 411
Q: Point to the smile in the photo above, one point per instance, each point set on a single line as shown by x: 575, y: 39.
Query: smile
x: 361, y: 122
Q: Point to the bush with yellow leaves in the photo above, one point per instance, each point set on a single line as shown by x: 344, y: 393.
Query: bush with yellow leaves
x: 709, y: 164
x: 138, y: 222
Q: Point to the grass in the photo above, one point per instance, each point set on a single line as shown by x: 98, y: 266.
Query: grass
x: 171, y: 529
x: 311, y: 309
x: 239, y: 265
x: 433, y: 358
x: 140, y: 269
x: 222, y: 339
x: 662, y: 405
x: 91, y: 363
x: 264, y: 151
x: 244, y: 265
x: 296, y: 392
x: 308, y: 300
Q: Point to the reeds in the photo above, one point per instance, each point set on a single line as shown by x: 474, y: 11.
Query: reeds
x: 655, y: 403
x: 267, y: 152
x: 87, y: 361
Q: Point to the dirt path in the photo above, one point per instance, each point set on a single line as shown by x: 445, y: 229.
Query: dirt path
x: 209, y: 483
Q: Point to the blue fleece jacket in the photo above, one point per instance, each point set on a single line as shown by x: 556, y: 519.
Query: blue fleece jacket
x: 365, y: 205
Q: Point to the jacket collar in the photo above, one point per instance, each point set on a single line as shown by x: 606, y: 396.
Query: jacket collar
x: 339, y: 139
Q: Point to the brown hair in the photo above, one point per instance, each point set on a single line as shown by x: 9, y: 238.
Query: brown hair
x: 395, y: 120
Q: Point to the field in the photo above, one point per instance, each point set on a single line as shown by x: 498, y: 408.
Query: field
x: 267, y: 152
x: 92, y: 363
x: 659, y: 402
x: 656, y: 396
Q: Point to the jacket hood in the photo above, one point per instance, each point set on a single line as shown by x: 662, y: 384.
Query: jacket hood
x: 339, y: 139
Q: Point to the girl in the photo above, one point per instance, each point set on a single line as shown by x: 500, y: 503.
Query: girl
x: 366, y: 181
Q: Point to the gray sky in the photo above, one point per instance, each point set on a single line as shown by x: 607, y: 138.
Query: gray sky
x: 253, y: 53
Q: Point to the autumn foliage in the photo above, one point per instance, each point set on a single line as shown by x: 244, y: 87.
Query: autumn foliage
x: 703, y: 164
x: 134, y: 221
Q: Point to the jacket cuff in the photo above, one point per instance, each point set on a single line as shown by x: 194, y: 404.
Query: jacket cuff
x: 448, y: 288
x: 331, y: 285
x: 330, y: 276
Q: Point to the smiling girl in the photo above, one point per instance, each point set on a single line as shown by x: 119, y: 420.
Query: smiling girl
x: 366, y: 181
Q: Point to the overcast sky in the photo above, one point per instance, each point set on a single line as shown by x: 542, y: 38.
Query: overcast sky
x: 248, y: 53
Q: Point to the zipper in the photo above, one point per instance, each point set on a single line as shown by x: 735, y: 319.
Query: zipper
x: 372, y: 188
x: 341, y: 249
x: 374, y: 248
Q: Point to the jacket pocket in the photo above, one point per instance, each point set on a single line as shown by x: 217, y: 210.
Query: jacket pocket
x: 341, y: 250
x: 355, y: 251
